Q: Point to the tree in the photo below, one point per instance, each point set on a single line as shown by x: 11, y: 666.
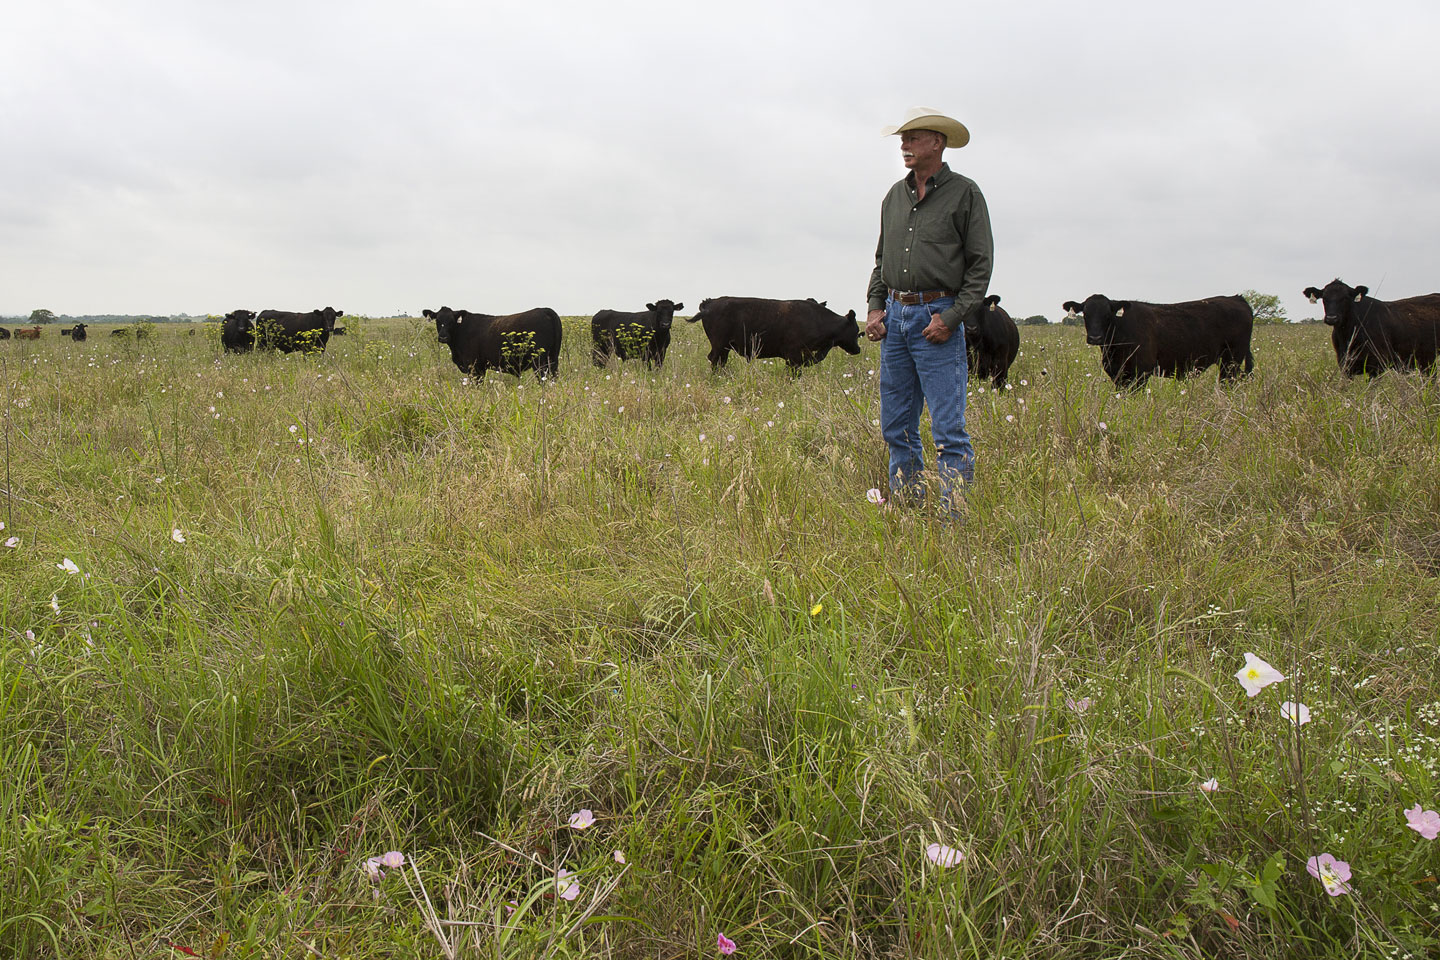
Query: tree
x: 1266, y: 307
x: 42, y: 316
x: 1036, y: 321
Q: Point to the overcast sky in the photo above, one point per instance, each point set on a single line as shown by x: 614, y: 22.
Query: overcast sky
x: 168, y: 156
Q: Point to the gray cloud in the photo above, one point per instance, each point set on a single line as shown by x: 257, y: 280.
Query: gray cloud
x: 165, y: 156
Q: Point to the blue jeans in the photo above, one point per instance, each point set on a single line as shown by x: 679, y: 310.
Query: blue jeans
x: 916, y: 372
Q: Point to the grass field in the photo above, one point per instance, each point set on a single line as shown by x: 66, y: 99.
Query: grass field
x: 418, y: 615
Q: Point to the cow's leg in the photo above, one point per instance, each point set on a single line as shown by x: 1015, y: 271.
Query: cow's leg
x: 1233, y: 365
x: 718, y: 357
x: 1131, y: 380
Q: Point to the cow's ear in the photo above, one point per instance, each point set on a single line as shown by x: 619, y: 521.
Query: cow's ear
x: 850, y: 315
x: 679, y: 306
x: 649, y: 306
x: 1311, y: 294
x: 993, y: 300
x: 1120, y: 308
x: 1360, y: 292
x: 1070, y: 307
x: 823, y: 302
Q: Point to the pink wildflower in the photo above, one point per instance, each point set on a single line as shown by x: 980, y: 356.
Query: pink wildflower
x: 1424, y: 822
x: 567, y: 888
x: 943, y: 856
x: 1334, y: 875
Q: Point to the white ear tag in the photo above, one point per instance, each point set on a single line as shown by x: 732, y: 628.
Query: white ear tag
x: 459, y: 320
x: 1313, y: 299
x: 1120, y: 312
x: 1358, y: 296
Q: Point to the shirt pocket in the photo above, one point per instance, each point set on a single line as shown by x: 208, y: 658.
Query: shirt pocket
x: 940, y: 230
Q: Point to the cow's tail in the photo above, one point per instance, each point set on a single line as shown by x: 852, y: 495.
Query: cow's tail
x: 553, y: 350
x: 696, y: 315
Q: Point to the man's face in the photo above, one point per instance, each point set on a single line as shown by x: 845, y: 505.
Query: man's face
x: 921, y: 147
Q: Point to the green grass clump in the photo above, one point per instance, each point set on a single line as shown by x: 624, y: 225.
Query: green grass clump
x: 340, y: 604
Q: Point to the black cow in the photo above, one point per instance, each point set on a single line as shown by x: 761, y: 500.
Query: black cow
x: 644, y: 335
x: 76, y: 332
x: 512, y: 344
x: 338, y: 332
x: 4, y: 334
x: 992, y: 341
x: 237, y: 331
x: 121, y: 332
x: 800, y: 332
x: 1371, y: 336
x: 286, y: 331
x: 1137, y: 340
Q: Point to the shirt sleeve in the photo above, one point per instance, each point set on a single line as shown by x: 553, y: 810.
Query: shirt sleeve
x: 979, y: 259
x: 875, y: 296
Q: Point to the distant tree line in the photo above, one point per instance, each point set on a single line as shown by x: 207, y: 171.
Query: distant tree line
x: 49, y: 316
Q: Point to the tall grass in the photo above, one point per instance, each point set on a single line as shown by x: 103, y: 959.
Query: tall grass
x: 420, y: 614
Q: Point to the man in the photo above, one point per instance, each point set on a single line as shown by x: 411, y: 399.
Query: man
x: 932, y: 269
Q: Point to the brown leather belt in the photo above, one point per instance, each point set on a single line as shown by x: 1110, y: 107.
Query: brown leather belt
x: 921, y: 296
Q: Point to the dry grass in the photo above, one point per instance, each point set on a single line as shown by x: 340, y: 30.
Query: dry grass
x: 417, y: 614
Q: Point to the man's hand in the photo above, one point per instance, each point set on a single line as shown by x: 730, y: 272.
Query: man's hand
x: 875, y: 325
x: 937, y: 332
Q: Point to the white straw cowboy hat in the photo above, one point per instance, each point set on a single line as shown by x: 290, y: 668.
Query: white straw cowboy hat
x: 924, y: 118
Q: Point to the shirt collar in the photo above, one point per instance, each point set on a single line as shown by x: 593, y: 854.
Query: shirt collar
x: 939, y: 178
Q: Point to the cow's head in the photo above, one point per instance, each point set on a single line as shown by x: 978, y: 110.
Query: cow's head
x: 1100, y: 314
x: 848, y: 339
x: 237, y: 330
x: 329, y: 315
x: 972, y: 319
x: 237, y: 322
x: 446, y: 320
x: 664, y: 311
x: 1339, y: 299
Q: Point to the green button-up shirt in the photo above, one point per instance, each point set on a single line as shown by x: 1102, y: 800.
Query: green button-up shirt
x: 940, y: 243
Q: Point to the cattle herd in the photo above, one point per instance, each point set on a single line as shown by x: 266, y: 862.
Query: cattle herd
x: 1137, y: 340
